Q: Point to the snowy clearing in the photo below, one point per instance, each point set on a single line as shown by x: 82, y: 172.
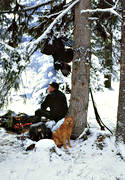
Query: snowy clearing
x: 90, y: 159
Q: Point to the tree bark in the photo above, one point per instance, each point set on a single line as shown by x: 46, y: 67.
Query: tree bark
x: 108, y: 61
x: 120, y: 130
x: 108, y: 55
x: 81, y: 69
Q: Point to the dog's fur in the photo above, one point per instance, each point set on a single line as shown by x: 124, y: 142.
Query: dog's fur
x: 63, y: 133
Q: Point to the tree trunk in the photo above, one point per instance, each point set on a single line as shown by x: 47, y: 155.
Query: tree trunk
x: 108, y: 60
x: 120, y: 130
x: 80, y: 75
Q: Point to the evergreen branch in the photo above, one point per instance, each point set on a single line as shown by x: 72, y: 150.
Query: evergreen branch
x: 7, y: 46
x: 12, y: 62
x: 37, y: 6
x: 28, y: 8
x: 10, y: 48
x: 32, y: 45
x: 54, y: 14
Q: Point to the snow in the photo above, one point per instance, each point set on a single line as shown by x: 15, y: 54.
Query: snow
x: 45, y: 144
x: 30, y: 47
x: 34, y: 81
x: 90, y: 159
x: 35, y: 6
x: 110, y: 10
x: 107, y: 104
x: 85, y: 160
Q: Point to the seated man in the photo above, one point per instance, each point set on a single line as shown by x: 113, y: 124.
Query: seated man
x: 57, y: 103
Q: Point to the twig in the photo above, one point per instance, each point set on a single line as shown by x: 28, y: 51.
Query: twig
x: 110, y: 10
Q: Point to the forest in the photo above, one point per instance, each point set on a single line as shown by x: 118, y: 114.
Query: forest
x: 80, y: 45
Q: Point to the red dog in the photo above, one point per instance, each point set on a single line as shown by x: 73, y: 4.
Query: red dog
x: 63, y: 133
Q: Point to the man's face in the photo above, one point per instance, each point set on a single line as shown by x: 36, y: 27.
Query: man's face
x: 51, y: 89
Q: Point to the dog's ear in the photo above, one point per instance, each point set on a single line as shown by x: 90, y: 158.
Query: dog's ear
x: 72, y: 117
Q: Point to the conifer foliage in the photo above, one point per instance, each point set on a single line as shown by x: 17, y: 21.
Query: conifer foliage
x: 21, y: 24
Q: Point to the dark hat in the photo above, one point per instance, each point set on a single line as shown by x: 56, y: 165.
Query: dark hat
x: 54, y: 85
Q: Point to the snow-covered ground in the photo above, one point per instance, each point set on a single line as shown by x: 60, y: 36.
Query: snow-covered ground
x: 107, y: 103
x: 91, y: 159
x: 86, y: 160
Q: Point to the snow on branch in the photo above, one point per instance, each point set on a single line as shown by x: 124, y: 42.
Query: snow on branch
x: 11, y: 49
x: 52, y: 15
x: 110, y: 10
x: 28, y: 8
x: 12, y: 62
x: 32, y: 45
x: 7, y: 46
x: 38, y: 5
